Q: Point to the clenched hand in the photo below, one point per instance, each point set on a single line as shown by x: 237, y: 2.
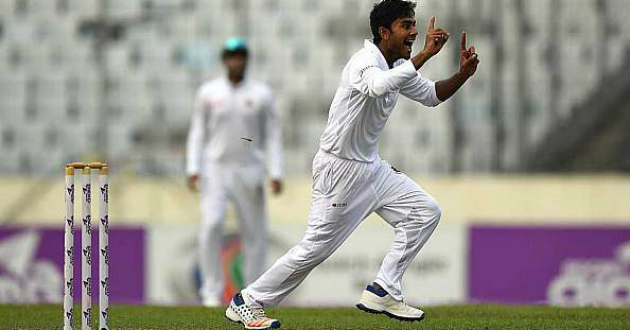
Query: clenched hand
x: 468, y: 59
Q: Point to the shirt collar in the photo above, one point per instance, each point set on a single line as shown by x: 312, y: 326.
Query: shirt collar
x: 229, y: 84
x: 370, y: 46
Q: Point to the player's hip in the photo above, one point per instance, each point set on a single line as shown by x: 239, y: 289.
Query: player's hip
x: 333, y: 174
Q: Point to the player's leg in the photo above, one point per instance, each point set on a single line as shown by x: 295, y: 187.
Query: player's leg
x: 341, y: 199
x: 213, y: 204
x: 414, y: 214
x: 323, y: 236
x: 249, y: 196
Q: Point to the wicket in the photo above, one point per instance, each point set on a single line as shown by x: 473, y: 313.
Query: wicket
x: 86, y: 251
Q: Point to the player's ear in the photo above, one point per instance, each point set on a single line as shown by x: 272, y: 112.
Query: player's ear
x: 384, y: 32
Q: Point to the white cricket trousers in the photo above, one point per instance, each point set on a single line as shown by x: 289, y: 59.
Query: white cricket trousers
x: 344, y: 193
x: 244, y: 186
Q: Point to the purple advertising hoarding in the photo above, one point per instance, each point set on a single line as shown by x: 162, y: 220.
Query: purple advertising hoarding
x: 31, y: 265
x: 569, y: 266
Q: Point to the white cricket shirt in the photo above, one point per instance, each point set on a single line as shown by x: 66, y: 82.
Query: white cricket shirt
x: 365, y: 98
x: 235, y: 125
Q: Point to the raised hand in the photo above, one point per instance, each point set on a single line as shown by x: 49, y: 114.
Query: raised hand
x: 435, y: 39
x: 468, y: 59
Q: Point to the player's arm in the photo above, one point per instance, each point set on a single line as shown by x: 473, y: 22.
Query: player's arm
x: 468, y: 61
x: 376, y: 82
x: 433, y: 43
x: 194, y: 143
x: 273, y: 129
x: 421, y: 90
x: 368, y: 78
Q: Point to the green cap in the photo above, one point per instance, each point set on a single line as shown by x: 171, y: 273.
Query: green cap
x: 235, y: 44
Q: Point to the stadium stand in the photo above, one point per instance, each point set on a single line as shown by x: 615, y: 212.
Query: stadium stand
x: 115, y: 79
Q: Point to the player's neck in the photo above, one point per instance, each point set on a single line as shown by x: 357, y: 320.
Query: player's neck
x: 389, y: 57
x: 236, y: 79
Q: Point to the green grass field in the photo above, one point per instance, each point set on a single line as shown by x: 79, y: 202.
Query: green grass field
x: 477, y: 317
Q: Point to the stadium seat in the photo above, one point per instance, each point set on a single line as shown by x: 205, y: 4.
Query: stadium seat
x: 299, y: 47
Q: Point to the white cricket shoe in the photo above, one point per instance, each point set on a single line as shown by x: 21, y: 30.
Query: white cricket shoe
x: 378, y: 301
x: 211, y: 302
x: 251, y: 318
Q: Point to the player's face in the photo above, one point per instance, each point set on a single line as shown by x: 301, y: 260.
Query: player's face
x: 235, y: 64
x: 404, y: 33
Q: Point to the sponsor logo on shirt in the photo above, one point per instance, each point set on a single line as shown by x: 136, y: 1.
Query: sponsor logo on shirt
x: 364, y: 69
x: 397, y: 171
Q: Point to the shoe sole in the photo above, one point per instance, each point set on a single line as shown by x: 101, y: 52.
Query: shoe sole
x: 274, y: 325
x: 390, y: 315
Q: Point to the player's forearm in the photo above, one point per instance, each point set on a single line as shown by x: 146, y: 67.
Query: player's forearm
x: 275, y: 155
x: 194, y: 145
x: 193, y: 158
x: 378, y: 83
x: 419, y: 60
x: 444, y: 89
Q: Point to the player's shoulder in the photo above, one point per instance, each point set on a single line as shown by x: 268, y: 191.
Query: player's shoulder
x: 260, y: 87
x: 211, y: 85
x: 362, y: 60
x: 364, y: 56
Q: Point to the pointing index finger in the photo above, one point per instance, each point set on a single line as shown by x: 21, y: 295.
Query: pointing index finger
x: 463, y: 47
x: 432, y: 24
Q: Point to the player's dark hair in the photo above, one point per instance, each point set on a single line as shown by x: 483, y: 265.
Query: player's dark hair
x: 386, y: 12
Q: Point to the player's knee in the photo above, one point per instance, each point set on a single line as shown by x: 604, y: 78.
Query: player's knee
x: 426, y: 211
x: 211, y: 224
x: 305, y: 255
x: 300, y: 253
x: 434, y: 210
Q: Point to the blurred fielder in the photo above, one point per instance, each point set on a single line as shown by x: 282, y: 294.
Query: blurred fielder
x: 350, y: 181
x: 235, y: 128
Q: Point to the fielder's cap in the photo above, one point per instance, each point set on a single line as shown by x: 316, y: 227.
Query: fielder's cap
x: 235, y: 44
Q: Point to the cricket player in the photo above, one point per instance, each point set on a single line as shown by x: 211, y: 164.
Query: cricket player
x: 235, y: 130
x: 350, y: 181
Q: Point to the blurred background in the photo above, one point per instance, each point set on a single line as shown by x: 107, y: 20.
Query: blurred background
x: 529, y: 160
